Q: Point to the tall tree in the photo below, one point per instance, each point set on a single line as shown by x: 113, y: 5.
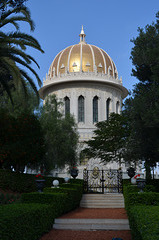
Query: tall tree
x: 13, y: 46
x: 22, y: 104
x: 61, y: 136
x: 11, y: 3
x: 21, y: 141
x: 109, y: 140
x: 143, y: 107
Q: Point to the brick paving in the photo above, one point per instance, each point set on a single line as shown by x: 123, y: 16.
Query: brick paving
x: 111, y: 213
x: 85, y: 235
x: 94, y: 213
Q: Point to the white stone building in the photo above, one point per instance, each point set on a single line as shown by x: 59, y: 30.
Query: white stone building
x: 85, y: 77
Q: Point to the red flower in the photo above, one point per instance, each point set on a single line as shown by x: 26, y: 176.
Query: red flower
x: 138, y: 175
x: 39, y: 176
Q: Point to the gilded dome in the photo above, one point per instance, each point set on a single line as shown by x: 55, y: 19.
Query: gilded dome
x: 82, y: 57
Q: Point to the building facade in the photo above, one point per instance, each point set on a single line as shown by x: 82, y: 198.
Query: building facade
x: 86, y: 79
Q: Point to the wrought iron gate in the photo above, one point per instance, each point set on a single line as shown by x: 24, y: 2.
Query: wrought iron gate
x: 102, y: 181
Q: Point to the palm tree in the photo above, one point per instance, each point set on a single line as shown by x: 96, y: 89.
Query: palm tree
x: 12, y: 51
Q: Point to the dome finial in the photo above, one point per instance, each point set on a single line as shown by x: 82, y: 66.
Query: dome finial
x: 82, y: 35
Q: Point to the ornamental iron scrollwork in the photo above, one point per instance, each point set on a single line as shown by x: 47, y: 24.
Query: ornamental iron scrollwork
x: 102, y: 181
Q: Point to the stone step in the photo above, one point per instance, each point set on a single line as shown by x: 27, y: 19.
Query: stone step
x: 92, y: 224
x: 102, y: 201
x: 102, y: 206
x: 103, y: 195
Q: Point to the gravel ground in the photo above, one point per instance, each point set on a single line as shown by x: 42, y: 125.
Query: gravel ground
x: 95, y: 213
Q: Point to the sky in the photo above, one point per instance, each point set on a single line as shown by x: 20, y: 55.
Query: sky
x: 109, y: 25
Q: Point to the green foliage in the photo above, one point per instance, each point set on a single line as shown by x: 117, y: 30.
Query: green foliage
x: 13, y: 56
x: 21, y: 103
x: 142, y: 108
x: 9, y: 198
x: 74, y: 195
x: 71, y: 185
x: 76, y: 181
x: 12, y: 3
x: 56, y: 200
x: 22, y: 183
x: 109, y: 140
x: 145, y: 53
x: 134, y: 197
x: 25, y: 221
x: 144, y: 222
x: 60, y: 135
x: 25, y: 134
x: 37, y: 213
x: 154, y: 182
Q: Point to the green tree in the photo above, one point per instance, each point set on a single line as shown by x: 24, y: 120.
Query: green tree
x: 109, y: 140
x: 61, y: 136
x: 143, y: 107
x: 13, y: 57
x: 11, y: 3
x: 22, y: 104
x: 21, y: 141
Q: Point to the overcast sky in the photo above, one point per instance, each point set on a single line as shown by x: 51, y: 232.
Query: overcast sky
x: 107, y: 24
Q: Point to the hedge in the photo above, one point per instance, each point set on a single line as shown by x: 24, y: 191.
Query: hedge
x: 134, y: 197
x: 56, y: 200
x: 21, y: 182
x: 71, y: 185
x: 73, y: 196
x: 76, y: 181
x: 144, y: 222
x: 154, y: 182
x: 25, y: 221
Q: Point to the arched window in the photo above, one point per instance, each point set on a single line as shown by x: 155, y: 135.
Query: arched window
x: 108, y: 108
x: 117, y: 107
x: 95, y: 109
x: 81, y: 109
x: 67, y: 105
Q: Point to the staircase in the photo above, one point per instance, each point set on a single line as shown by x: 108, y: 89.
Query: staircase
x: 95, y: 201
x: 91, y: 224
x: 108, y: 200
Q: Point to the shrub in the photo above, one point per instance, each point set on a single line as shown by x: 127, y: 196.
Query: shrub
x: 76, y: 181
x: 144, y: 222
x: 134, y: 197
x: 154, y: 182
x: 73, y: 186
x: 25, y: 221
x: 9, y: 198
x: 74, y: 196
x: 21, y: 182
x: 145, y: 198
x: 57, y: 200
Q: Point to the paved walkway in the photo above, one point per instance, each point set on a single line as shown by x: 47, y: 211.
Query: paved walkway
x: 91, y: 213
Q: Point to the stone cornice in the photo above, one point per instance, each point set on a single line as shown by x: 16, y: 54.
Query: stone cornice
x: 93, y: 77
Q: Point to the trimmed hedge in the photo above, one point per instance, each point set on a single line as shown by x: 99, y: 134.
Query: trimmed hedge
x: 25, y: 221
x: 71, y: 185
x: 144, y: 222
x: 154, y: 182
x: 76, y: 181
x: 9, y: 198
x: 134, y: 197
x: 21, y: 182
x: 73, y: 196
x: 56, y: 200
x: 143, y: 212
x: 148, y: 198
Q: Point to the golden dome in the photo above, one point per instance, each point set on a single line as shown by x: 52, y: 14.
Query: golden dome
x: 82, y: 57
